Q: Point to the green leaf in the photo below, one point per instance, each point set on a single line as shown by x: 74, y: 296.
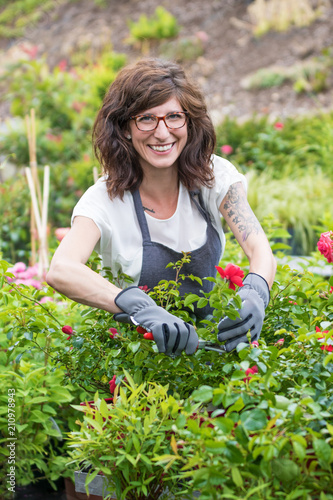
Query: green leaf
x: 134, y: 346
x: 236, y: 477
x: 190, y: 298
x: 224, y: 424
x: 104, y: 409
x: 202, y: 302
x: 28, y: 335
x: 285, y: 470
x: 323, y: 451
x: 254, y: 420
x: 136, y: 443
x: 204, y: 394
x: 299, y: 450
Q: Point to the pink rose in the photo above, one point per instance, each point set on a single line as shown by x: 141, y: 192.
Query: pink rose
x: 325, y: 245
x: 19, y: 267
x: 61, y: 232
x: 279, y: 342
x: 278, y: 126
x: 226, y: 149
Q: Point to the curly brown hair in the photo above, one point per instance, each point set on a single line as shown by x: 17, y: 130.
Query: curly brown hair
x: 138, y: 87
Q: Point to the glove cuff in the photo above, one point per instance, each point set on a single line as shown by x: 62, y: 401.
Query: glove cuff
x: 259, y: 284
x: 132, y: 300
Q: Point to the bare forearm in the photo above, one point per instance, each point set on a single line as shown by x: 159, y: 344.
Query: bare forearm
x: 263, y: 262
x: 81, y: 284
x: 248, y: 232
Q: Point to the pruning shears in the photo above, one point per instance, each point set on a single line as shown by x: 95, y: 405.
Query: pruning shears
x: 203, y: 344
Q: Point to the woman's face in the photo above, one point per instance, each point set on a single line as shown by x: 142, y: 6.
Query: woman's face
x: 159, y: 148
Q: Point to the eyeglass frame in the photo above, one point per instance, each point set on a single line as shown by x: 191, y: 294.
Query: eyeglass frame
x: 159, y: 118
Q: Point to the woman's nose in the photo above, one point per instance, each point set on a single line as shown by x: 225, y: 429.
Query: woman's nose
x: 161, y: 131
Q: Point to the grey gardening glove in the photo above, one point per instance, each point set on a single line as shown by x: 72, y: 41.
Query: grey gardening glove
x: 171, y: 334
x: 255, y: 298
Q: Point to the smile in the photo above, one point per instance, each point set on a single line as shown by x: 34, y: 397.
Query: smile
x: 161, y: 149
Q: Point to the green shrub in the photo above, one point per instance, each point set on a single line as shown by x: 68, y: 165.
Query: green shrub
x: 160, y: 25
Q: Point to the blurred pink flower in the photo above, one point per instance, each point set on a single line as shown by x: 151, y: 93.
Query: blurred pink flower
x: 45, y: 299
x: 61, y: 232
x: 255, y: 343
x: 203, y: 36
x: 19, y: 267
x: 279, y: 342
x: 226, y: 149
x: 25, y: 275
x: 325, y: 245
x: 53, y: 137
x: 78, y: 106
x: 62, y: 65
x: 31, y: 50
x: 278, y: 125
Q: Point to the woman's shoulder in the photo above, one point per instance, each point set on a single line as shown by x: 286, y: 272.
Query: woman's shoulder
x: 220, y: 164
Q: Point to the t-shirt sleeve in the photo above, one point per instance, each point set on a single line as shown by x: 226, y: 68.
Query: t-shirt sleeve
x: 93, y: 204
x: 226, y: 174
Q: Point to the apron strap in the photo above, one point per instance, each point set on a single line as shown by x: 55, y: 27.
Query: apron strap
x: 200, y: 204
x: 141, y: 217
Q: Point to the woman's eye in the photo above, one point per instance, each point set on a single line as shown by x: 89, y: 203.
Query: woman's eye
x: 146, y: 119
x: 175, y: 116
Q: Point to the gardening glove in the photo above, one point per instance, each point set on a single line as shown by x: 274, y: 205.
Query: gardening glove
x: 255, y: 298
x: 171, y: 334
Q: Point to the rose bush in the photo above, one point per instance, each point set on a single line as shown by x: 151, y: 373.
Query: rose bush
x: 263, y: 413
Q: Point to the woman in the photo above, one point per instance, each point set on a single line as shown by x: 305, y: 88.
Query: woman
x: 163, y: 193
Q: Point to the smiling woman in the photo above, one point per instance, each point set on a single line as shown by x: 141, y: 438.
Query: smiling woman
x: 162, y: 193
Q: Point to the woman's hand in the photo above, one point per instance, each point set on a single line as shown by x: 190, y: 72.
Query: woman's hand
x: 171, y: 334
x: 255, y: 297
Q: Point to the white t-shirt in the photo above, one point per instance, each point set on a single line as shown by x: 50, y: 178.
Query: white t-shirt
x: 120, y: 245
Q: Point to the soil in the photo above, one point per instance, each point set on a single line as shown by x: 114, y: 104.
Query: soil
x: 231, y: 51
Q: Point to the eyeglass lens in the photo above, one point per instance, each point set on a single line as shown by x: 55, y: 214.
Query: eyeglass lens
x: 150, y: 122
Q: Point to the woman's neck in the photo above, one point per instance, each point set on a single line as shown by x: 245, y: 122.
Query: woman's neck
x: 159, y: 193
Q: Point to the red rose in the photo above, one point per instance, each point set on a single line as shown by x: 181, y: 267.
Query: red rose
x: 325, y: 347
x: 325, y: 245
x: 112, y: 384
x: 278, y: 126
x: 113, y: 332
x: 233, y: 274
x: 249, y: 372
x: 67, y: 329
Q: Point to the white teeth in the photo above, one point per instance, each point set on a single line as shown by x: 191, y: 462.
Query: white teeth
x: 161, y: 148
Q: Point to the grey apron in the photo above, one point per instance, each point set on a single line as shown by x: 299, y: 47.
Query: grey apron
x: 156, y: 256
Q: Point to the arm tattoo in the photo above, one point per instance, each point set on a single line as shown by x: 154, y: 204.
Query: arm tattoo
x: 240, y: 213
